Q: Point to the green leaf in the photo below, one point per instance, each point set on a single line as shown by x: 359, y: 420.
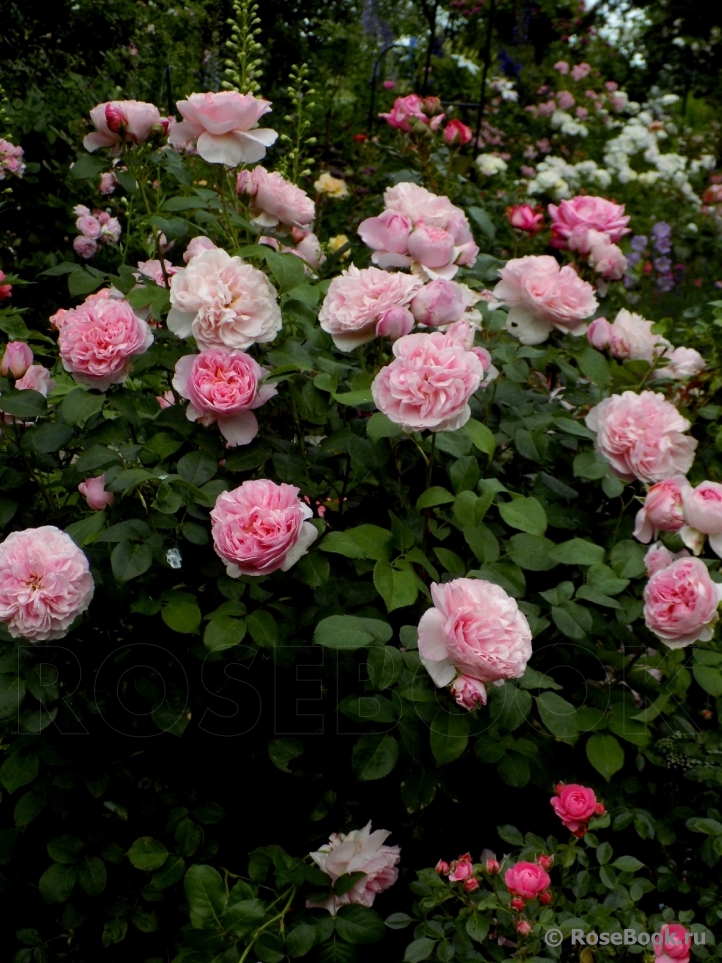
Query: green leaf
x: 147, y: 853
x: 590, y: 465
x: 206, y: 897
x: 363, y: 541
x: 709, y: 678
x: 605, y: 754
x: 87, y: 167
x: 130, y: 559
x: 628, y: 864
x: 346, y: 882
x: 419, y: 950
x: 573, y: 620
x: 180, y: 612
x: 434, y: 496
x: 188, y: 837
x: 12, y: 693
x: 287, y: 269
x: 114, y: 931
x: 627, y: 558
x: 531, y: 552
x: 83, y: 281
x: 299, y: 940
x: 52, y: 436
x: 284, y: 750
x: 510, y: 834
x: 385, y: 665
x: 578, y: 551
x: 28, y: 807
x: 92, y: 875
x: 351, y: 632
x: 18, y: 770
x: 262, y: 626
x: 57, y: 883
x: 79, y: 405
x: 451, y: 561
x: 381, y: 426
x: 171, y: 872
x: 223, y: 633
x: 66, y: 849
x: 397, y: 587
x: 198, y: 467
x: 526, y: 514
x: 449, y: 736
x: 558, y: 715
x: 23, y: 404
x: 359, y: 925
x: 244, y: 915
x: 354, y: 398
x: 144, y: 920
x: 374, y: 757
x: 484, y: 221
x: 481, y: 436
x: 594, y: 365
x: 514, y: 769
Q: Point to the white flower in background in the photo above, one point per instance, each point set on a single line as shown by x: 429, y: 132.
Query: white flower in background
x: 491, y: 164
x: 505, y: 88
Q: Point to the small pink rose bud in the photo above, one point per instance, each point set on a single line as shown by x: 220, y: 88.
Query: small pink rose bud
x: 166, y: 399
x: 107, y: 183
x: 545, y: 899
x: 389, y: 84
x: 523, y: 928
x: 469, y: 693
x: 457, y: 133
x: 517, y: 903
x: 599, y: 809
x: 546, y: 862
x: 600, y: 333
x: 523, y: 217
x: 442, y: 868
x: 196, y: 246
x: 93, y: 490
x: 470, y: 884
x: 395, y: 323
x: 115, y: 118
x: 492, y: 866
x: 17, y: 359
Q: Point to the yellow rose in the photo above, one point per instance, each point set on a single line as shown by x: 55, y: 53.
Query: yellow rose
x: 333, y: 186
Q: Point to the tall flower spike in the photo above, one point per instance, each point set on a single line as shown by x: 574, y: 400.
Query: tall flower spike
x: 243, y: 66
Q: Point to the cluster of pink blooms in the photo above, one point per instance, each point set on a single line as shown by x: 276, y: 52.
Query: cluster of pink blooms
x: 360, y: 851
x: 96, y: 227
x: 11, y: 160
x: 578, y: 72
x: 17, y: 361
x: 421, y: 115
x: 592, y: 226
x: 473, y: 635
x: 631, y: 336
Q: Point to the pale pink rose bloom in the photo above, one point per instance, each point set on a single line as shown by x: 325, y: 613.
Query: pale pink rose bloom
x: 223, y: 388
x: 565, y: 99
x: 491, y: 372
x: 674, y: 945
x: 642, y: 437
x: 223, y: 302
x: 129, y: 121
x: 98, y: 340
x: 36, y: 378
x: 582, y: 113
x: 431, y: 246
x: 405, y: 111
x: 45, y: 582
x: 541, y: 296
x: 580, y: 71
x: 89, y: 226
x: 260, y: 527
x: 562, y: 66
x: 154, y: 271
x: 308, y: 248
x: 224, y: 126
x: 166, y: 399
x: 443, y: 302
x: 474, y: 628
x: 395, y: 323
x: 84, y: 246
x: 599, y: 333
x: 360, y: 851
x: 546, y: 109
x: 110, y: 229
x: 275, y: 201
x: 93, y: 491
x: 632, y: 337
x: 527, y: 880
x: 575, y: 805
x: 658, y: 556
x: 680, y: 603
x: 596, y: 213
x: 388, y: 234
x: 196, y: 246
x: 469, y: 693
x: 17, y: 358
x: 606, y: 258
x: 107, y: 183
x: 703, y: 514
x: 357, y: 301
x: 428, y: 384
x: 663, y: 509
x: 682, y: 363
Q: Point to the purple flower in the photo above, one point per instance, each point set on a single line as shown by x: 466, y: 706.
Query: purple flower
x: 665, y: 282
x: 633, y: 258
x: 663, y: 265
x: 638, y: 243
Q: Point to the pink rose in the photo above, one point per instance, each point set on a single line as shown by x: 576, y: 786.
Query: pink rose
x: 108, y: 182
x: 223, y: 302
x: 36, y: 378
x: 682, y: 363
x: 457, y: 133
x: 469, y: 693
x: 224, y: 127
x: 631, y: 336
x: 196, y: 246
x: 659, y: 557
x: 129, y: 121
x: 565, y: 99
x: 703, y: 512
x: 308, y: 248
x: 93, y: 491
x: 562, y: 66
x: 360, y: 851
x: 166, y: 399
x: 526, y: 880
x: 542, y: 296
x: 11, y: 159
x: 45, y: 583
x: 85, y: 247
x: 405, y: 111
x: 275, y: 200
x: 260, y: 527
x: 428, y: 384
x: 474, y: 628
x: 98, y: 339
x: 591, y: 212
x: 389, y: 234
x: 17, y: 358
x: 580, y: 71
x: 523, y: 217
x: 674, y: 943
x: 663, y: 509
x: 443, y: 302
x: 599, y: 333
x: 357, y: 301
x: 575, y: 805
x: 461, y: 869
x: 606, y: 258
x: 680, y: 603
x: 222, y: 387
x: 642, y: 437
x: 88, y: 225
x: 395, y: 323
x: 431, y: 246
x: 154, y: 271
x: 6, y: 290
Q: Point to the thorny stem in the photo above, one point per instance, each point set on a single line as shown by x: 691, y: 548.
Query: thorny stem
x: 276, y: 918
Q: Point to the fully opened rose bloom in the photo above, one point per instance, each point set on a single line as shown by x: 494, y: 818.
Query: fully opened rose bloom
x: 223, y: 388
x: 428, y: 384
x: 122, y: 121
x: 11, y: 159
x: 575, y: 805
x: 196, y: 246
x: 93, y: 491
x: 444, y: 302
x: 476, y: 629
x: 526, y: 880
x: 703, y: 514
x: 663, y: 509
x: 36, y: 378
x: 681, y: 602
x: 223, y: 302
x: 523, y: 217
x: 673, y: 943
x: 642, y: 436
x: 542, y: 296
x: 331, y: 186
x: 154, y: 271
x: 98, y: 340
x: 628, y: 336
x: 45, y: 582
x: 680, y: 363
x: 275, y: 201
x: 360, y: 851
x: 260, y: 527
x: 585, y: 211
x: 358, y: 301
x: 224, y: 126
x: 17, y: 358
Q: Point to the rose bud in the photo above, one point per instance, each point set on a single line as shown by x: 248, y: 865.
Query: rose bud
x: 523, y: 928
x: 492, y: 866
x: 517, y: 903
x: 17, y: 359
x: 470, y: 884
x: 546, y: 862
x: 442, y: 868
x: 545, y: 899
x: 524, y: 218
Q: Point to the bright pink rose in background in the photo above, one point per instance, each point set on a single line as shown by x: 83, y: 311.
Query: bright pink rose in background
x: 681, y: 363
x: 526, y: 880
x: 469, y: 693
x: 260, y: 527
x: 428, y: 384
x: 457, y: 133
x: 93, y: 491
x: 474, y: 628
x: 674, y: 945
x: 703, y: 512
x: 224, y: 127
x: 222, y: 387
x: 36, y: 378
x: 523, y: 217
x: 196, y: 246
x: 45, y: 583
x: 11, y: 159
x: 662, y: 510
x: 541, y: 296
x: 88, y: 225
x: 461, y: 869
x: 223, y: 302
x: 565, y: 99
x: 575, y: 805
x: 275, y: 200
x: 17, y: 358
x: 642, y: 437
x: 360, y: 851
x: 562, y: 66
x: 98, y: 340
x: 6, y: 290
x: 580, y: 71
x: 680, y: 603
x: 444, y: 302
x: 358, y: 301
x: 596, y: 213
x: 523, y: 927
x: 413, y: 109
x: 121, y: 121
